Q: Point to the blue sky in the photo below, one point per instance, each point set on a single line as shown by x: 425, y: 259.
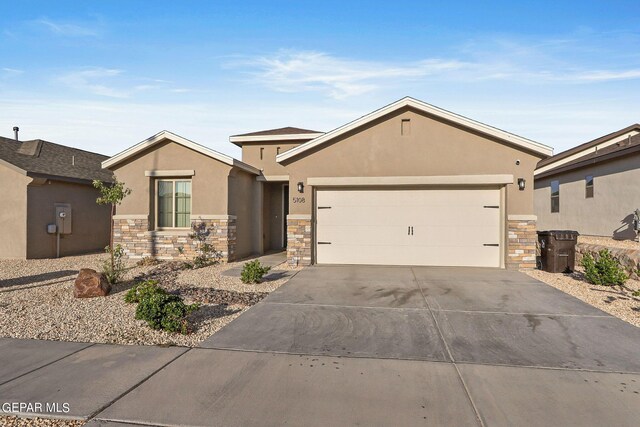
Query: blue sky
x: 104, y: 75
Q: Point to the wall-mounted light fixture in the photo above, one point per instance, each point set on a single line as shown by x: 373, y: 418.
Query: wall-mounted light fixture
x: 300, y: 187
x: 521, y: 183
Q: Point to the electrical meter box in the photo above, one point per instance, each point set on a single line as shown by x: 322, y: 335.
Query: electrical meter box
x: 63, y: 218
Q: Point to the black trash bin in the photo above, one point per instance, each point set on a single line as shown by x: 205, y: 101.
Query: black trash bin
x: 557, y: 250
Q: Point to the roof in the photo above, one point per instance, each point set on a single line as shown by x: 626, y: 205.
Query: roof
x: 166, y: 135
x: 578, y: 151
x: 426, y: 108
x: 624, y: 147
x: 279, y: 134
x: 44, y: 158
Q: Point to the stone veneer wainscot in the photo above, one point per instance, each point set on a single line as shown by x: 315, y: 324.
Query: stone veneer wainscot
x: 299, y: 240
x: 138, y: 240
x: 521, y: 242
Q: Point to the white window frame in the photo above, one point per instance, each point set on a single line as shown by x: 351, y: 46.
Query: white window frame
x: 173, y: 203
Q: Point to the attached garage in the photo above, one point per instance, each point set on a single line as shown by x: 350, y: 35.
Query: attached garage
x: 412, y: 184
x: 409, y: 226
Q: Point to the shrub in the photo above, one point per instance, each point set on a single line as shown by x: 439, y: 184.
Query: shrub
x: 142, y: 290
x: 160, y: 309
x: 253, y: 271
x: 604, y: 269
x: 114, y: 267
x: 165, y: 311
x: 148, y: 261
x: 206, y: 253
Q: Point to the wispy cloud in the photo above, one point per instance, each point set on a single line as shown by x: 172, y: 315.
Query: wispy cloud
x: 10, y: 72
x: 68, y: 29
x: 340, y: 77
x: 95, y: 81
x: 113, y: 83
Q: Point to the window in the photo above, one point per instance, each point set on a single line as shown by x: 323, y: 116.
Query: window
x: 405, y: 128
x: 555, y: 196
x: 261, y: 153
x: 588, y: 182
x: 174, y: 203
x: 277, y: 150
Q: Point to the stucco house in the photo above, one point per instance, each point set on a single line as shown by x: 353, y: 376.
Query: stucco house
x: 408, y: 184
x: 50, y: 205
x: 593, y: 188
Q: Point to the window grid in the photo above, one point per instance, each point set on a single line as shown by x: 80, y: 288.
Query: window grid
x: 173, y: 201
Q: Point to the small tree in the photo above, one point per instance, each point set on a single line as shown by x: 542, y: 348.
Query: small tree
x: 111, y: 194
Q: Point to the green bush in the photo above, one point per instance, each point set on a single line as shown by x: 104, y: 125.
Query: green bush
x: 604, y: 269
x: 160, y: 309
x: 113, y: 268
x: 206, y: 253
x: 253, y: 271
x: 141, y: 290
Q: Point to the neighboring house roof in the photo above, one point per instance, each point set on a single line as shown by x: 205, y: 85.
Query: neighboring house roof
x: 166, y: 135
x: 426, y: 108
x: 47, y: 159
x: 624, y: 147
x: 281, y: 134
x: 581, y: 150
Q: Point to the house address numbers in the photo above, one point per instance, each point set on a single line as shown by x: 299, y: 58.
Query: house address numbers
x: 298, y: 200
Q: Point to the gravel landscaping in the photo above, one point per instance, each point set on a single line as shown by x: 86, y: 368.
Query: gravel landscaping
x: 609, y: 242
x: 614, y: 300
x: 38, y: 422
x: 36, y: 301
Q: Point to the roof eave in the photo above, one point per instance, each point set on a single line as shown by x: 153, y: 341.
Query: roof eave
x: 240, y: 139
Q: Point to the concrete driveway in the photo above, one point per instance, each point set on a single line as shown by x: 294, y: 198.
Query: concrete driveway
x: 404, y: 346
x: 363, y: 346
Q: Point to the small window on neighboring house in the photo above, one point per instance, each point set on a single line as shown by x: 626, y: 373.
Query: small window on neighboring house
x: 277, y: 150
x: 588, y: 181
x: 261, y: 153
x: 405, y: 127
x: 555, y: 196
x: 173, y: 205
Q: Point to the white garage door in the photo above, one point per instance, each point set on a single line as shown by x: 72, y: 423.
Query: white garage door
x: 452, y: 227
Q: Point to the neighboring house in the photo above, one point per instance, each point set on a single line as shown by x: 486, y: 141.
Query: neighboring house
x: 593, y: 188
x: 408, y: 184
x: 41, y: 180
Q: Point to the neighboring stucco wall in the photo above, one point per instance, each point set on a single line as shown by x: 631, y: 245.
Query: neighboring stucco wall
x: 13, y: 213
x: 268, y: 164
x: 90, y: 222
x: 433, y: 148
x: 609, y: 213
x: 209, y: 184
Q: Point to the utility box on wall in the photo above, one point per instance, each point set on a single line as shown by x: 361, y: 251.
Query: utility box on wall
x: 63, y: 217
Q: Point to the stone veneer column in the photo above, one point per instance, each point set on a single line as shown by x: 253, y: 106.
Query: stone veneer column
x: 133, y: 233
x: 299, y: 240
x: 521, y: 242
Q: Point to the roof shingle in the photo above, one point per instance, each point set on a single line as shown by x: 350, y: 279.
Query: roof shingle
x: 38, y: 157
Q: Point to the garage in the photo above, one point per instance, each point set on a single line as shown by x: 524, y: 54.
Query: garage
x: 409, y: 226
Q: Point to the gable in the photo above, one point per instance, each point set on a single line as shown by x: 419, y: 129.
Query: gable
x: 426, y: 109
x: 432, y: 147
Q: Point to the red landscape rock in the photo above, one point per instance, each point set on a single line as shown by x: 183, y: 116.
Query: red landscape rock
x: 90, y: 283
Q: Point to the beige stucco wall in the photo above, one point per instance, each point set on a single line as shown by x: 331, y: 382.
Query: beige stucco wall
x: 243, y: 197
x: 609, y: 213
x: 13, y: 213
x: 433, y: 148
x: 90, y: 221
x: 268, y: 164
x: 209, y: 184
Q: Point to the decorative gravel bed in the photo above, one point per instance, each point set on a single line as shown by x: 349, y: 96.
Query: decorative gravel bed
x: 36, y: 301
x: 37, y: 422
x: 616, y: 301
